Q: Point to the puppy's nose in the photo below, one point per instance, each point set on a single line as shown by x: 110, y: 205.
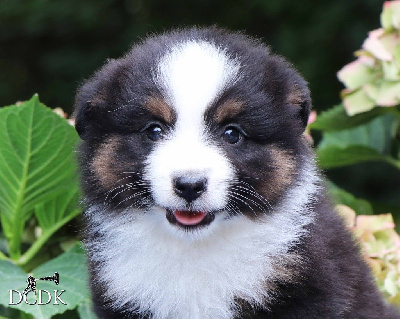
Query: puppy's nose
x: 189, y: 188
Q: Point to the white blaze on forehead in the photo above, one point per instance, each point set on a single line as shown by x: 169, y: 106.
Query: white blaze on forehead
x: 192, y: 75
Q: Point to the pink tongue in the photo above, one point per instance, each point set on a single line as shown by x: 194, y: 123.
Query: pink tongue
x: 189, y: 218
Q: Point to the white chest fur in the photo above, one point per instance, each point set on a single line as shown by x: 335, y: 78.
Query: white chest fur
x: 149, y: 266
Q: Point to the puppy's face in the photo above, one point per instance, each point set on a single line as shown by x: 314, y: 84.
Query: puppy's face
x: 197, y: 128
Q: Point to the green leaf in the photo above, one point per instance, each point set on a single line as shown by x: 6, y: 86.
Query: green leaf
x: 377, y: 135
x: 368, y: 142
x: 335, y: 156
x: 336, y: 119
x: 36, y: 163
x: 52, y: 216
x: 58, y: 209
x: 11, y: 277
x: 72, y: 270
x: 85, y: 310
x: 340, y: 196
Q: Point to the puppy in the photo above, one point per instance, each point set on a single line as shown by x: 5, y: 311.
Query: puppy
x: 203, y: 199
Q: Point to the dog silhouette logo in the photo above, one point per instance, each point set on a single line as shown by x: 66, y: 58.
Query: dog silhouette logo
x: 32, y: 282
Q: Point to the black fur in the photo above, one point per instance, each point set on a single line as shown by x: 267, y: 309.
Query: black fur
x: 333, y: 282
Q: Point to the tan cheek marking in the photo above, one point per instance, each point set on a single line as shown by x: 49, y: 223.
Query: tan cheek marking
x: 283, y: 168
x: 103, y: 164
x: 160, y: 108
x: 228, y: 110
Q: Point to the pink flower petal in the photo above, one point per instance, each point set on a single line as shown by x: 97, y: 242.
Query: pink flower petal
x: 374, y: 45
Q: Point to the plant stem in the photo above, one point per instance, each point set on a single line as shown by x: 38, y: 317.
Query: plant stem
x: 15, y: 240
x: 32, y: 251
x: 19, y: 221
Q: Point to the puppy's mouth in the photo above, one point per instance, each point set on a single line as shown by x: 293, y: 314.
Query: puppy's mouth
x: 188, y: 219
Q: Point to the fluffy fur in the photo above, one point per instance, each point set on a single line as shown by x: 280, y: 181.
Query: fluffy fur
x: 203, y: 199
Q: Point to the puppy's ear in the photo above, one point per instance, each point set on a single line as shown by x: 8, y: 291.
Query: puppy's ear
x: 298, y: 97
x: 83, y: 114
x: 80, y: 119
x: 290, y: 90
x: 90, y: 110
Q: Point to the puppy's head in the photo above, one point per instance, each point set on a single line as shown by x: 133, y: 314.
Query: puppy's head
x: 197, y: 125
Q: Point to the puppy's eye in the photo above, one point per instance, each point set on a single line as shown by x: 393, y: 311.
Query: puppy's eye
x: 232, y: 135
x: 154, y: 132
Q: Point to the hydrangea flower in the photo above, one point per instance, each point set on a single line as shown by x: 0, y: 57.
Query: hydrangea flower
x: 374, y: 78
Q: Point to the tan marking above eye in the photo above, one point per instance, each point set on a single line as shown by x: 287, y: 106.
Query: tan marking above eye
x: 296, y: 95
x: 97, y: 100
x: 103, y: 163
x: 160, y: 108
x: 227, y: 110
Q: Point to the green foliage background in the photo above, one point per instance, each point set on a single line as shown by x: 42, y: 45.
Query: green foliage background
x: 50, y: 46
x: 39, y: 198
